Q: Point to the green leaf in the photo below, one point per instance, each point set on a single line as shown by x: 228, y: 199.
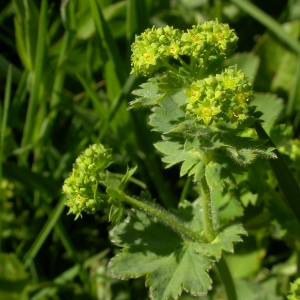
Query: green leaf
x: 148, y: 95
x: 174, y: 153
x: 110, y: 180
x: 228, y: 207
x: 168, y: 114
x: 127, y: 176
x: 224, y: 241
x: 213, y: 175
x: 187, y: 165
x: 198, y: 171
x: 115, y: 213
x: 286, y: 181
x: 271, y: 106
x: 278, y: 64
x: 170, y: 263
x: 170, y: 83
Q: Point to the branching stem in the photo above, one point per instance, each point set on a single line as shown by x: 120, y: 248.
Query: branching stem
x: 207, y: 213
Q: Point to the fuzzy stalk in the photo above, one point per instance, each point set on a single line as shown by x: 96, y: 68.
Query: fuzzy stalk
x: 164, y: 216
x: 206, y: 209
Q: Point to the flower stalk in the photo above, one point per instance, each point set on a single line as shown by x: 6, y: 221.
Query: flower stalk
x: 164, y: 216
x: 207, y: 212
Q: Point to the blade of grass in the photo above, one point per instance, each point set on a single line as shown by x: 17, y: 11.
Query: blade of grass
x: 16, y: 72
x: 64, y: 238
x: 3, y: 122
x: 34, y: 181
x: 6, y: 12
x: 26, y: 21
x: 57, y: 87
x: 18, y: 100
x: 108, y: 43
x: 137, y: 20
x: 69, y: 275
x: 94, y: 97
x: 269, y: 22
x: 48, y: 226
x: 293, y: 95
x: 131, y: 21
x: 36, y: 76
x: 286, y: 181
x: 129, y: 85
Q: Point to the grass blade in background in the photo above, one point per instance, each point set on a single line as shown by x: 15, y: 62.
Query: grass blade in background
x: 101, y: 111
x: 71, y: 60
x: 114, y: 63
x: 45, y: 231
x: 67, y: 243
x: 294, y: 93
x: 285, y: 179
x: 115, y: 105
x: 36, y: 76
x: 70, y: 275
x: 57, y: 88
x: 3, y: 122
x: 16, y: 72
x: 269, y: 22
x: 137, y: 20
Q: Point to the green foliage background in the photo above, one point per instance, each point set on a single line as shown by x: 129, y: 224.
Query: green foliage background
x: 65, y: 84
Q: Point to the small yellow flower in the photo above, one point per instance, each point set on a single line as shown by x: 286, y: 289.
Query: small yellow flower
x: 205, y: 111
x: 173, y: 49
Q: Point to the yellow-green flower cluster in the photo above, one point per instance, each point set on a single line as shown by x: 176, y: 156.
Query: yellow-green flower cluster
x: 294, y: 290
x: 81, y: 186
x: 223, y: 97
x: 154, y: 48
x: 210, y: 38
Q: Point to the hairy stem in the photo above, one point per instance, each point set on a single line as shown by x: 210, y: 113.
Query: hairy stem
x: 164, y: 216
x: 207, y: 213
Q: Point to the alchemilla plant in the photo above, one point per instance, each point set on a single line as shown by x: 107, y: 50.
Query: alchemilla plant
x: 202, y: 111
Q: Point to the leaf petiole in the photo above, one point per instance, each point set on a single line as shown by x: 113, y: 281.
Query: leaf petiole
x: 164, y: 216
x: 207, y: 214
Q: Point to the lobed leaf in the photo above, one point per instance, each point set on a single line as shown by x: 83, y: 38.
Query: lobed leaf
x: 165, y: 116
x: 170, y: 263
x: 148, y: 95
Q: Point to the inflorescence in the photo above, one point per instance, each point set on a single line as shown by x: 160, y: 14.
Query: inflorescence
x: 81, y: 187
x: 212, y: 95
x: 190, y: 61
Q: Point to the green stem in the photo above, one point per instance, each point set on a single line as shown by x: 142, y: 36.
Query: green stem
x: 3, y: 123
x: 167, y: 65
x: 207, y: 214
x: 185, y: 190
x: 160, y: 213
x: 183, y: 63
x: 227, y: 279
